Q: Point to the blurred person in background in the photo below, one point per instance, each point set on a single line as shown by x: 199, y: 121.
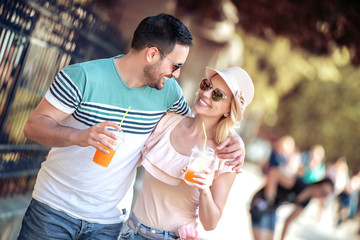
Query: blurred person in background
x: 282, y: 158
x: 338, y: 172
x: 349, y: 198
x: 282, y: 151
x: 313, y: 167
x: 283, y: 190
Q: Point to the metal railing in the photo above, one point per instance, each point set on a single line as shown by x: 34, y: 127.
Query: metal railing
x: 37, y: 39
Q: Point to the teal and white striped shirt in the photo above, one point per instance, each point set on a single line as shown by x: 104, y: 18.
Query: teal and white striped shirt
x: 93, y: 92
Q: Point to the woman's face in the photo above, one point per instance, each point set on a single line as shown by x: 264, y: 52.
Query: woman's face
x: 206, y: 103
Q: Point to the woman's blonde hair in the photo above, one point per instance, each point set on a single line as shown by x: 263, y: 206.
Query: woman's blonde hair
x: 226, y: 125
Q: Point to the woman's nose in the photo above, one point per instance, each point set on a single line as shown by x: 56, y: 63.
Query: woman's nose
x: 207, y: 93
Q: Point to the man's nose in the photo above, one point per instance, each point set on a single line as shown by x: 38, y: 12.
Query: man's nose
x: 176, y: 74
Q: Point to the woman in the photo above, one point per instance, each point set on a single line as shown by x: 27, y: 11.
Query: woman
x: 166, y: 203
x: 280, y: 190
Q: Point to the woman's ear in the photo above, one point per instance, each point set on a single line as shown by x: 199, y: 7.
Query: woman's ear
x: 226, y: 115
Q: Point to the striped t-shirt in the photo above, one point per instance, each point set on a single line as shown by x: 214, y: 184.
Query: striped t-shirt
x: 93, y: 92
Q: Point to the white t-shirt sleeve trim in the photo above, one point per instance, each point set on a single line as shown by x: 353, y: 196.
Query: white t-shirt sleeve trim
x: 56, y: 103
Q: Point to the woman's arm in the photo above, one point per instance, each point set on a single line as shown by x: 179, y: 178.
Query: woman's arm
x: 212, y: 200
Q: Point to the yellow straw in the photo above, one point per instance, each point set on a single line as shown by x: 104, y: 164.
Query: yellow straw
x: 124, y: 116
x: 202, y: 155
x: 122, y: 122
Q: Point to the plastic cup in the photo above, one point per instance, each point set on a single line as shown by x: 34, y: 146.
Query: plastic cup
x: 104, y: 159
x: 199, y: 161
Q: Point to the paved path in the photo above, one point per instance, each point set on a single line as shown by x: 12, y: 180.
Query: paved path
x: 235, y: 223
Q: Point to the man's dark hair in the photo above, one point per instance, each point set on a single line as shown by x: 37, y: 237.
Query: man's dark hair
x: 162, y: 31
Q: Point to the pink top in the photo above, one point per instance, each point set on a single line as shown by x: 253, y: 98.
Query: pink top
x: 166, y: 201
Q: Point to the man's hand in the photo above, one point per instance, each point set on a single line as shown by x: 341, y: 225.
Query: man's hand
x: 98, y: 134
x: 232, y: 148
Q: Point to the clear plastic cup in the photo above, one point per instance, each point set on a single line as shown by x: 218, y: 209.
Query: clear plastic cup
x: 200, y: 161
x: 104, y: 159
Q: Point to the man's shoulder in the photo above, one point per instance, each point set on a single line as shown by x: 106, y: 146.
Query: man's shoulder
x: 89, y: 65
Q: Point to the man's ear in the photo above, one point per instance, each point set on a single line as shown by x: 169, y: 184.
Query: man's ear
x: 152, y: 54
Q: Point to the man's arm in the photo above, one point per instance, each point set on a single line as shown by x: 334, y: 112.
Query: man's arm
x: 289, y: 219
x: 43, y: 126
x: 232, y: 148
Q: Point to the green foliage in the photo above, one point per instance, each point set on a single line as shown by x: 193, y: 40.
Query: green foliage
x: 315, y: 99
x: 327, y: 113
x: 308, y: 24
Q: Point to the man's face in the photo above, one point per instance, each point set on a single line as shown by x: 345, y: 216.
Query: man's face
x: 165, y: 68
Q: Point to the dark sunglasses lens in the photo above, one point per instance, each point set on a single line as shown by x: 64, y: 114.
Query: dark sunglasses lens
x: 176, y: 67
x: 205, y: 84
x: 217, y: 95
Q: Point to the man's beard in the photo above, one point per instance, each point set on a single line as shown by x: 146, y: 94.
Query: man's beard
x: 150, y: 77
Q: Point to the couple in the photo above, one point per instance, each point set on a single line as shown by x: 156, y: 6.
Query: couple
x: 75, y: 198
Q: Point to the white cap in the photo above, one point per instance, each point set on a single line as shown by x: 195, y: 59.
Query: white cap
x: 239, y: 82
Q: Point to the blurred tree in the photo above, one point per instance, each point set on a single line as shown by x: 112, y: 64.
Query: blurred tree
x: 326, y: 113
x: 313, y: 98
x: 311, y: 25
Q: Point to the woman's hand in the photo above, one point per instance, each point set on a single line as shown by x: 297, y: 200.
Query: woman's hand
x: 203, y: 179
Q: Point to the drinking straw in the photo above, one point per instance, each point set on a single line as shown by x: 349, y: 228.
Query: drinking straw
x: 202, y: 155
x: 124, y: 116
x: 122, y: 121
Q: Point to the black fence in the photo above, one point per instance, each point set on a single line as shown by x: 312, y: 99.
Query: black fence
x: 37, y: 39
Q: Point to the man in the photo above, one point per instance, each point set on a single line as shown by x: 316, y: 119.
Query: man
x: 74, y: 198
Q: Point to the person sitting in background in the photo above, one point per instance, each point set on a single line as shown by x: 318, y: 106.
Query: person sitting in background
x: 313, y: 168
x: 281, y: 152
x: 349, y: 198
x: 283, y: 190
x: 166, y: 202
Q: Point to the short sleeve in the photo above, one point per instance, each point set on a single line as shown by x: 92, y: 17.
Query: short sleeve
x: 179, y: 104
x: 65, y: 92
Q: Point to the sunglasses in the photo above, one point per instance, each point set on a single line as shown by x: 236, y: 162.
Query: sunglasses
x: 216, y: 94
x: 175, y: 66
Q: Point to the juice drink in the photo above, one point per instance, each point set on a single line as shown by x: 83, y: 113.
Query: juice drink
x: 104, y: 159
x: 189, y: 175
x: 200, y: 160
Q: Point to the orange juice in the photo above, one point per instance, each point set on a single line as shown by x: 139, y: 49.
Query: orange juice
x: 103, y: 159
x: 189, y: 176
